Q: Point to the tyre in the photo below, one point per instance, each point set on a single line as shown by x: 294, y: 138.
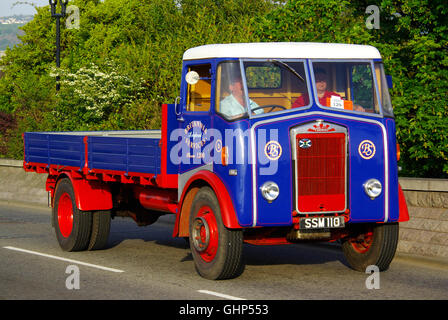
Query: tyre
x: 100, y: 230
x: 72, y: 226
x: 216, y: 250
x: 373, y: 244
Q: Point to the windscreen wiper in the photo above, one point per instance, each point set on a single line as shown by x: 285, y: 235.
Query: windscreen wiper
x: 275, y: 61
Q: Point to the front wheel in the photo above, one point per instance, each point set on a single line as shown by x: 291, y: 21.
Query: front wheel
x: 372, y: 244
x: 216, y: 250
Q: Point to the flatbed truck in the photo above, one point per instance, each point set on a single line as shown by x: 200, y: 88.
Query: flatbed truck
x: 267, y: 144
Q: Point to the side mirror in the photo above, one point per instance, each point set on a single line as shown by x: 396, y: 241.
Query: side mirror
x: 389, y: 82
x: 192, y: 77
x: 177, y: 109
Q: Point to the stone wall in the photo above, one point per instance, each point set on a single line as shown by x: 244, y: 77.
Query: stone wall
x: 426, y: 233
x: 18, y: 186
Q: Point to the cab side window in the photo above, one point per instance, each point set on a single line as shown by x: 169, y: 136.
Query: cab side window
x: 199, y: 94
x: 231, y: 99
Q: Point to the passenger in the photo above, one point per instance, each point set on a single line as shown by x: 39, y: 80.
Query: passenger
x: 321, y: 87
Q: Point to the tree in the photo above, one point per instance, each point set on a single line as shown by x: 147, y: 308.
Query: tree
x: 414, y: 40
x: 314, y: 21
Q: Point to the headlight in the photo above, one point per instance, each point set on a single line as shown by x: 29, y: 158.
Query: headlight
x: 270, y: 191
x: 373, y: 188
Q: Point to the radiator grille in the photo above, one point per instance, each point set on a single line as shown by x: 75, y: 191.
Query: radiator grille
x: 321, y: 172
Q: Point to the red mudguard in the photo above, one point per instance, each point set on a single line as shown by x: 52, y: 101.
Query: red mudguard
x: 89, y: 194
x: 402, y: 206
x: 228, y: 214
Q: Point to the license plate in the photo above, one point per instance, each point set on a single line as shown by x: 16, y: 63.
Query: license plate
x: 322, y: 223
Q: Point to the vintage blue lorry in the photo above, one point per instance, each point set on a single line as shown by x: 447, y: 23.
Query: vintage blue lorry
x: 268, y: 143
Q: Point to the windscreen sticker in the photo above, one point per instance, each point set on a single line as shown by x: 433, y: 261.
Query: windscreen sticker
x: 336, y: 102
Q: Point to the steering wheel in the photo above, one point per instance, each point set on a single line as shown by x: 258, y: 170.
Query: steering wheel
x: 272, y: 106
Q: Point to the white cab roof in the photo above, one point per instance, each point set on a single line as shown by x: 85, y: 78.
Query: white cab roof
x: 283, y: 50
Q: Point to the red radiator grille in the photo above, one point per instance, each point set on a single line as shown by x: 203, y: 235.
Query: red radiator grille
x: 321, y: 172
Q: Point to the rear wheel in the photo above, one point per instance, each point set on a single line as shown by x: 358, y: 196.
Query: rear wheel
x: 373, y: 244
x: 100, y: 230
x: 72, y: 226
x: 217, y: 251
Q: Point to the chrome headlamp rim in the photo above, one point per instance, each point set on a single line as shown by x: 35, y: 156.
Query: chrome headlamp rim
x: 373, y: 188
x: 270, y: 191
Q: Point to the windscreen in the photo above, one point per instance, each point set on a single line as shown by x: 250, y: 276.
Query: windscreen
x: 348, y: 86
x: 274, y: 85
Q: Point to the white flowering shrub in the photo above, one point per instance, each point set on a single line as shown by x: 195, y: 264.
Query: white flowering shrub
x: 90, y: 95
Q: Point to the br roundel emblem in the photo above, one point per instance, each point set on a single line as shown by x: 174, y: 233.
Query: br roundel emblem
x: 366, y: 149
x: 273, y: 150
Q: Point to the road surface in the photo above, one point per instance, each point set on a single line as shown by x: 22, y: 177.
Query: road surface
x: 148, y: 263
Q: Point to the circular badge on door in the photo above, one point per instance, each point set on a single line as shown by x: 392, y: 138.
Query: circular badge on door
x: 273, y: 150
x: 366, y: 149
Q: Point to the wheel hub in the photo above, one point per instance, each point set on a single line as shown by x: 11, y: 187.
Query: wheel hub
x: 205, y: 234
x: 201, y: 234
x: 363, y: 242
x: 65, y: 215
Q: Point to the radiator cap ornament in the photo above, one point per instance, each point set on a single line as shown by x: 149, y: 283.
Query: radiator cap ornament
x: 321, y: 126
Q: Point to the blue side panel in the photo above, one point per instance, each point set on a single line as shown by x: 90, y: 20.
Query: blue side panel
x: 56, y: 149
x: 236, y: 138
x: 124, y: 154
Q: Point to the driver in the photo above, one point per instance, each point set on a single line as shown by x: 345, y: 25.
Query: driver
x: 233, y: 105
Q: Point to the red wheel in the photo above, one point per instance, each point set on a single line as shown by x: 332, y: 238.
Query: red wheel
x: 216, y: 250
x: 65, y: 215
x: 205, y: 234
x: 371, y: 244
x: 72, y: 226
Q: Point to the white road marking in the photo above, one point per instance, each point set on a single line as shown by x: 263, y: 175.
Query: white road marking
x: 64, y: 259
x: 221, y: 295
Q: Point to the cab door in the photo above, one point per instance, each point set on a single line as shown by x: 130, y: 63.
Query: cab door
x: 195, y: 119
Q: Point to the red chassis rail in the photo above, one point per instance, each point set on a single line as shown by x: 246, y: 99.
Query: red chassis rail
x: 91, y: 187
